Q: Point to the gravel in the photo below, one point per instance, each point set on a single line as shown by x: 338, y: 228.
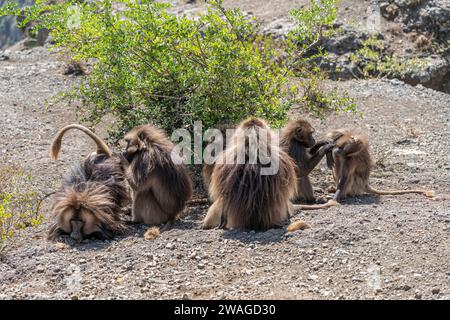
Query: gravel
x: 390, y: 247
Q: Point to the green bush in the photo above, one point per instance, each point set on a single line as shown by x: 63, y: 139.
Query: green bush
x: 149, y: 65
x: 19, y: 204
x: 303, y: 48
x: 321, y: 101
x: 374, y: 60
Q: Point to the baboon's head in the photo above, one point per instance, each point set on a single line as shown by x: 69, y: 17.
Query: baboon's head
x: 81, y: 224
x: 144, y: 138
x: 355, y: 145
x: 252, y: 123
x: 249, y: 129
x: 302, y: 131
x: 84, y: 214
x: 349, y: 142
x: 339, y: 136
x: 135, y: 143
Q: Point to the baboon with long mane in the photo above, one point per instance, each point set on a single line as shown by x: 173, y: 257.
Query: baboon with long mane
x: 89, y: 201
x: 161, y: 184
x: 242, y: 197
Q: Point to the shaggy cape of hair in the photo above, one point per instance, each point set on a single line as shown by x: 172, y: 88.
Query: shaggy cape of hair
x: 97, y: 185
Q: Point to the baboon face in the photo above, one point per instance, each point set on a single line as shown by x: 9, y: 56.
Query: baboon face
x: 81, y: 224
x: 304, y: 133
x: 135, y: 145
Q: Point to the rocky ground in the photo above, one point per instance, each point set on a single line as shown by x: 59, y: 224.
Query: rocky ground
x: 369, y: 248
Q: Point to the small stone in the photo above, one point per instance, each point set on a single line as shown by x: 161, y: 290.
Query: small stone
x: 58, y: 245
x: 404, y: 287
x: 170, y: 246
x: 201, y: 266
x: 396, y: 82
x: 435, y: 290
x: 4, y: 56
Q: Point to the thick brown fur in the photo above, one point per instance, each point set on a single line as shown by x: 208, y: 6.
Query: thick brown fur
x: 161, y: 187
x: 207, y: 170
x: 351, y: 163
x: 152, y: 233
x: 242, y: 197
x: 91, y: 197
x: 298, y: 141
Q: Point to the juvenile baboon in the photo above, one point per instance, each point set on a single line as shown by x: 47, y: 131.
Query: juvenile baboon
x: 242, y: 197
x: 351, y: 164
x: 298, y: 141
x: 161, y: 187
x: 92, y: 194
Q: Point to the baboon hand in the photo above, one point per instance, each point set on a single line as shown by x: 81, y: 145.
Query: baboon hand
x: 327, y: 147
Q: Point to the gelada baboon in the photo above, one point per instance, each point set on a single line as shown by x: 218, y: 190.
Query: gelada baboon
x: 93, y: 192
x: 243, y: 198
x: 298, y: 141
x: 161, y: 186
x: 351, y: 164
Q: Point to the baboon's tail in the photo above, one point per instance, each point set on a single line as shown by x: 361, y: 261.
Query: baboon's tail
x: 330, y: 203
x: 197, y: 202
x: 298, y: 225
x: 429, y: 193
x: 154, y: 232
x: 56, y: 144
